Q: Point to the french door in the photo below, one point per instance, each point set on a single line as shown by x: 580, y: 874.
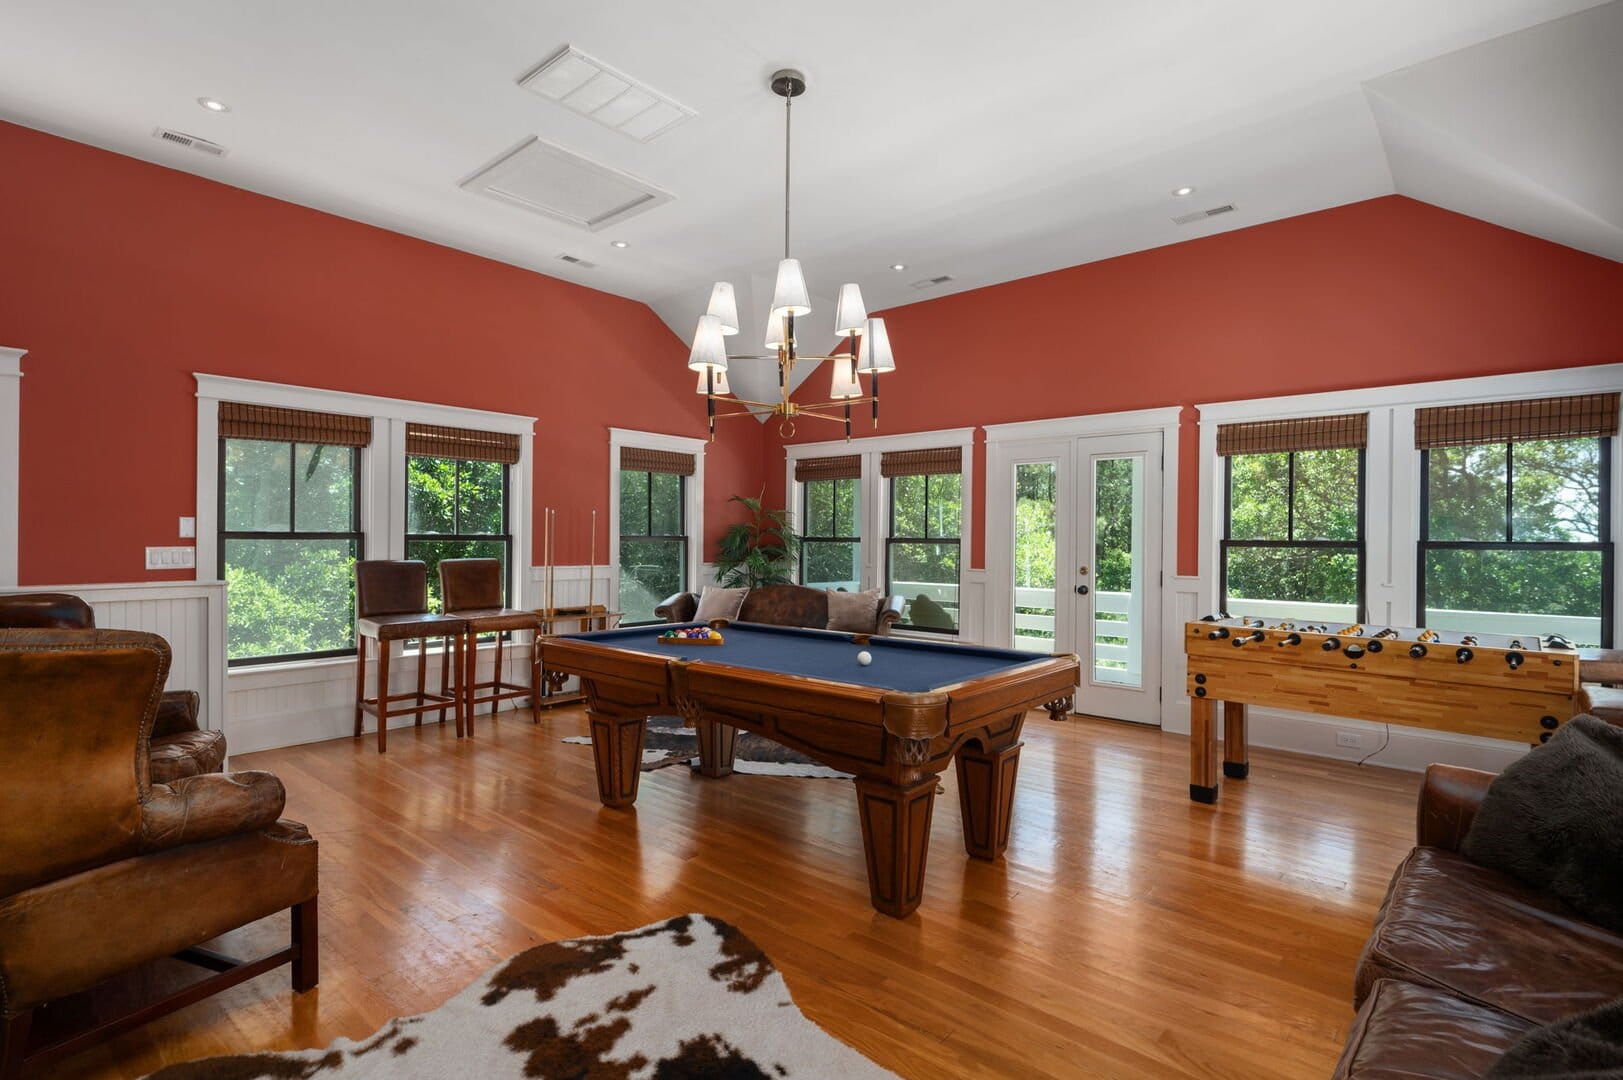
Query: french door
x: 1083, y: 572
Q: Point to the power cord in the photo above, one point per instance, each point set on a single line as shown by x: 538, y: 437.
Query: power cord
x: 1385, y: 742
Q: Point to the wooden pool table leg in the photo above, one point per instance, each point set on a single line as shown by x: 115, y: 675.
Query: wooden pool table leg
x: 896, y: 838
x: 1202, y: 750
x: 986, y: 797
x: 1236, y: 754
x: 716, y: 742
x: 617, y: 747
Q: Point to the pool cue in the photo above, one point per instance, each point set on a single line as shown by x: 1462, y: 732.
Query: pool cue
x: 591, y: 573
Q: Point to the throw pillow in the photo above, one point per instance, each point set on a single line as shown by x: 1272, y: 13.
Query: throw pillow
x: 718, y: 603
x: 854, y: 612
x: 926, y: 612
x: 1554, y: 820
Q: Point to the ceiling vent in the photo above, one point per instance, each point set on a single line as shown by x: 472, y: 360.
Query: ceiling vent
x: 614, y: 99
x: 932, y: 282
x: 1202, y: 215
x: 560, y: 184
x: 576, y: 260
x: 191, y: 142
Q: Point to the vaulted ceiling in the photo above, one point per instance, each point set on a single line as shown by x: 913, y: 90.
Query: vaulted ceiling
x: 984, y: 142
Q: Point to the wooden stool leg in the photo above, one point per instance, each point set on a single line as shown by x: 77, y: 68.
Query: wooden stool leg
x: 535, y: 678
x: 470, y: 671
x: 383, y: 696
x: 445, y: 678
x: 360, y: 682
x: 453, y: 656
x: 307, y: 964
x: 496, y: 679
x: 422, y: 675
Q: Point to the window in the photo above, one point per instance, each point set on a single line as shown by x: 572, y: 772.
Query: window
x: 1293, y: 538
x: 1036, y: 524
x: 457, y: 509
x: 922, y: 549
x: 830, y: 522
x: 1515, y: 532
x: 289, y: 538
x: 653, y: 530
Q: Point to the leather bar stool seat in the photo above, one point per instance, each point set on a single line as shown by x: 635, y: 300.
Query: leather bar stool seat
x: 471, y: 589
x: 391, y: 604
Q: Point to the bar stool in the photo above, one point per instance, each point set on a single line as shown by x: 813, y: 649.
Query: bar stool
x: 391, y: 604
x: 471, y: 589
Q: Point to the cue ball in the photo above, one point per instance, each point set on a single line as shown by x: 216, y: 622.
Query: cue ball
x: 864, y: 657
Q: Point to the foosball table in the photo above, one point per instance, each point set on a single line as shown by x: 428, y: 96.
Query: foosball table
x: 1495, y: 685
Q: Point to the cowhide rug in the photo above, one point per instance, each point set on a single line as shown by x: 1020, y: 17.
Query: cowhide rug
x: 687, y: 998
x: 669, y: 743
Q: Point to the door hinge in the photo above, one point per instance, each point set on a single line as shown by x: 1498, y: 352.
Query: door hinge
x: 1157, y: 693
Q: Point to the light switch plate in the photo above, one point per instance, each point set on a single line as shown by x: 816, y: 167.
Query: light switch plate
x: 171, y: 558
x: 188, y: 528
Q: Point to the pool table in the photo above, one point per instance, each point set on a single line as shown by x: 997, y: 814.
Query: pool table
x: 894, y: 724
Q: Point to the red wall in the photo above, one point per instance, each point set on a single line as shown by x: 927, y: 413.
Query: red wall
x: 122, y: 278
x: 1374, y: 293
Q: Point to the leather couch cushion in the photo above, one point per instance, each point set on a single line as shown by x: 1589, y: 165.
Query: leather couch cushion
x: 1406, y: 1031
x: 1450, y: 924
x: 497, y: 619
x: 1605, y: 702
x: 402, y: 626
x: 854, y: 612
x: 786, y: 605
x: 187, y: 753
x: 718, y: 603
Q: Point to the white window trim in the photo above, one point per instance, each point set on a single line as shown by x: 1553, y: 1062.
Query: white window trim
x: 382, y: 475
x: 1392, y: 470
x: 11, y: 409
x: 692, y: 500
x: 874, y: 495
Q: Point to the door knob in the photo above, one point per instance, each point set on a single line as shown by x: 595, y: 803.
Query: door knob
x: 1081, y: 590
x: 1082, y: 570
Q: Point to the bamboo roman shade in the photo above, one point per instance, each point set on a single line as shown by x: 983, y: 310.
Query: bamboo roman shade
x: 637, y: 459
x: 848, y: 467
x: 1584, y: 415
x: 947, y: 459
x: 270, y: 424
x: 464, y: 444
x: 1346, y: 431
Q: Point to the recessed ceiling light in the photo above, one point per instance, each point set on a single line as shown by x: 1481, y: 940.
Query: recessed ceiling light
x: 213, y: 106
x: 898, y: 266
x: 618, y: 243
x: 1181, y: 192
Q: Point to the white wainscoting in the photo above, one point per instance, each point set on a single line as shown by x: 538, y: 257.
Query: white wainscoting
x: 190, y: 615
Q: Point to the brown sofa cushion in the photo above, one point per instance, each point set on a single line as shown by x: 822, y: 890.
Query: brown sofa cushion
x: 1405, y: 1031
x: 854, y: 612
x: 1451, y: 924
x: 786, y: 605
x: 189, y: 753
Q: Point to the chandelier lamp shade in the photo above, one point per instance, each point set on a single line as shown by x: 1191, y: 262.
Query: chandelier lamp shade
x: 863, y: 347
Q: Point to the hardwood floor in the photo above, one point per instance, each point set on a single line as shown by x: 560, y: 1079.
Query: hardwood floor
x: 1129, y: 932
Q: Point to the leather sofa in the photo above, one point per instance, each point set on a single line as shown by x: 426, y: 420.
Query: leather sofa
x: 180, y: 748
x: 1463, y: 960
x: 781, y: 605
x: 102, y: 870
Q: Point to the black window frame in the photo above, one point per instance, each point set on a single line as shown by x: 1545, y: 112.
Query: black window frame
x: 650, y: 536
x: 1509, y: 543
x: 807, y: 538
x: 891, y: 539
x: 1359, y: 546
x: 457, y: 535
x: 291, y: 533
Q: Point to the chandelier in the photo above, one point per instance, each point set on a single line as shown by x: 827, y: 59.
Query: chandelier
x: 867, y: 347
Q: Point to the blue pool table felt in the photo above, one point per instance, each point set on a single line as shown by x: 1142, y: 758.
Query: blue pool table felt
x: 898, y: 664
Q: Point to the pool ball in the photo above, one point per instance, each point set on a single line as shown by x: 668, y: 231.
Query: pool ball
x: 864, y: 657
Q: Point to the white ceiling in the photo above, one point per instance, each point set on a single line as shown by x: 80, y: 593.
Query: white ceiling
x: 987, y: 142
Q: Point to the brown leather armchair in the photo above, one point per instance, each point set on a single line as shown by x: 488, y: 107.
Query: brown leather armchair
x: 102, y: 870
x: 781, y: 605
x: 179, y: 747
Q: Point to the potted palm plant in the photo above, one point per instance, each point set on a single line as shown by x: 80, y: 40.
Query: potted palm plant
x: 761, y: 550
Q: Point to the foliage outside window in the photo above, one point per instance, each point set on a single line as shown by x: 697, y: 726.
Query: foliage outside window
x: 1036, y: 518
x: 922, y: 551
x: 456, y: 509
x: 1515, y: 538
x: 831, y: 540
x: 653, y: 542
x: 289, y: 538
x: 1293, y: 541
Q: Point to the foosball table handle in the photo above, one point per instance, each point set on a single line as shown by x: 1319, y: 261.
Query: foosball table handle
x: 1417, y: 650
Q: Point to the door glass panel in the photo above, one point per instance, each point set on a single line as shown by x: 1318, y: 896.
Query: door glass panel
x: 1117, y: 573
x: 1035, y: 557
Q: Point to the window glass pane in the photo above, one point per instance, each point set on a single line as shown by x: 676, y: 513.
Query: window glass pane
x: 926, y: 575
x: 1326, y: 495
x: 666, y: 519
x: 907, y: 505
x: 1466, y: 493
x: 1035, y: 557
x: 432, y: 551
x: 634, y: 503
x: 481, y: 509
x: 1118, y: 569
x: 323, y: 488
x: 1299, y: 583
x: 1259, y: 496
x: 846, y: 522
x: 1516, y: 592
x: 831, y: 564
x: 946, y: 505
x: 289, y: 596
x: 430, y: 495
x: 1555, y: 492
x: 819, y: 508
x: 650, y: 571
x: 258, y: 485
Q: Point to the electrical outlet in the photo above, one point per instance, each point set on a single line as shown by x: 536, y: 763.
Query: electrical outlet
x: 1350, y: 739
